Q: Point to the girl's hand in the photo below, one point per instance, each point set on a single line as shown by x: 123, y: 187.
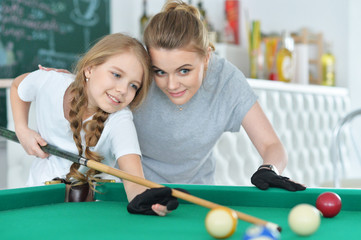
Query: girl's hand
x: 160, y: 210
x: 30, y: 140
x: 53, y: 69
x: 154, y: 201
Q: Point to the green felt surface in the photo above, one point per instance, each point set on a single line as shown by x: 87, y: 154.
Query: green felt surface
x: 108, y: 218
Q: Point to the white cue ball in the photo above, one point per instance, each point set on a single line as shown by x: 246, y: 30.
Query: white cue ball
x: 221, y: 222
x: 304, y: 219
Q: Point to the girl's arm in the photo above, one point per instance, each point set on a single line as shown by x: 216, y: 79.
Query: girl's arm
x: 264, y: 138
x: 28, y: 138
x: 131, y: 164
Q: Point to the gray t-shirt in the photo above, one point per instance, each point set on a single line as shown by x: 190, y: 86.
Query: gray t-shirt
x: 177, y: 145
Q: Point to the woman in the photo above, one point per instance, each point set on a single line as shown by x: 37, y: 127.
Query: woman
x: 195, y: 97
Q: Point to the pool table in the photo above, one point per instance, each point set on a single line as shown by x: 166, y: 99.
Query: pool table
x: 40, y: 213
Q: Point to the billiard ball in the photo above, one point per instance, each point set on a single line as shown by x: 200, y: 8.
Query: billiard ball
x: 329, y: 203
x: 221, y: 222
x: 304, y: 219
x: 259, y: 232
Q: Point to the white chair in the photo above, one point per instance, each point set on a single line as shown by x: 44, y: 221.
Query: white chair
x: 344, y: 144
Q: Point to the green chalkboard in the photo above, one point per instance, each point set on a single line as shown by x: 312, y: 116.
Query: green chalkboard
x: 48, y: 32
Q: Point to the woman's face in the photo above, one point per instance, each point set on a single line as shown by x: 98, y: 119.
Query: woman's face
x: 113, y: 84
x: 178, y: 72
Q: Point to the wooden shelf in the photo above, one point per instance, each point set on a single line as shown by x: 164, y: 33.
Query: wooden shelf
x: 5, y: 82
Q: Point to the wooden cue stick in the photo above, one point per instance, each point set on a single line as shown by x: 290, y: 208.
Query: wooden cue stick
x: 141, y: 181
x: 178, y: 194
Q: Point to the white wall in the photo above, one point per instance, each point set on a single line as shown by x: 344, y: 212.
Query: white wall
x: 354, y: 50
x: 338, y: 20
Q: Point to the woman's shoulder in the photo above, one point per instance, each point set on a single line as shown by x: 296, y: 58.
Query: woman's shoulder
x: 221, y: 70
x: 221, y: 66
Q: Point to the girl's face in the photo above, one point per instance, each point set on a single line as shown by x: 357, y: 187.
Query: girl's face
x: 113, y: 84
x: 178, y: 72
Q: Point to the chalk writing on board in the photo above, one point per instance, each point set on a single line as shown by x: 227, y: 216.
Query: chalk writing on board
x: 47, y: 32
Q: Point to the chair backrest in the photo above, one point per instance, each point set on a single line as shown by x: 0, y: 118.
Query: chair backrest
x: 344, y: 146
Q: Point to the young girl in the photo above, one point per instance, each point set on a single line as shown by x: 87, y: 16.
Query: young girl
x: 195, y: 97
x: 87, y: 114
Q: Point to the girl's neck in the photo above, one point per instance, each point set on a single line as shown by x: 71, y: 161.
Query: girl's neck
x: 88, y: 113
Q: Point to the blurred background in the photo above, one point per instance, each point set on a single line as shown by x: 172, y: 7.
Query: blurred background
x: 301, y: 57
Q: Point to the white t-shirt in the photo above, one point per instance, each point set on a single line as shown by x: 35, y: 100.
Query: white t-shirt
x: 177, y: 145
x: 118, y: 138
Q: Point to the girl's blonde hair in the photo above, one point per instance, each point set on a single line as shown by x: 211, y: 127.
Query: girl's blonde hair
x: 108, y: 46
x: 178, y: 25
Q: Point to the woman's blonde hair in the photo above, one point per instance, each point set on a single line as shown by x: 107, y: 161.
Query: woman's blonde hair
x: 108, y: 46
x: 178, y: 25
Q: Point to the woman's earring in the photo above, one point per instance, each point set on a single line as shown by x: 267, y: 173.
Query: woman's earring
x: 87, y: 79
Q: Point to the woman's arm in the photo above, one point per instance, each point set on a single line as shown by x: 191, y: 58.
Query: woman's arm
x: 269, y: 146
x: 264, y: 138
x: 28, y: 138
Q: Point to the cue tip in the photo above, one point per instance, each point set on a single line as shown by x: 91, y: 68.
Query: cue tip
x: 274, y: 226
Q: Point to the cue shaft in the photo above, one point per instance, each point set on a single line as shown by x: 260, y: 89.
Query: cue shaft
x: 141, y: 181
x: 178, y: 194
x: 10, y: 135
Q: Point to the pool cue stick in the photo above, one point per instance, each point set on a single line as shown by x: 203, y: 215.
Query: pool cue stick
x: 138, y: 180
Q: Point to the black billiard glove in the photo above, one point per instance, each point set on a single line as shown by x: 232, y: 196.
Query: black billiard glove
x: 142, y: 203
x: 265, y: 178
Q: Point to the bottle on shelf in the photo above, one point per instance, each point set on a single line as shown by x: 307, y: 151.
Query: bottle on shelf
x: 203, y: 13
x: 231, y: 26
x: 227, y: 31
x: 255, y: 48
x: 213, y: 35
x: 144, y: 19
x: 271, y: 44
x: 285, y: 60
x: 328, y: 67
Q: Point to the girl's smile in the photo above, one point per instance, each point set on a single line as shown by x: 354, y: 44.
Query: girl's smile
x: 113, y: 99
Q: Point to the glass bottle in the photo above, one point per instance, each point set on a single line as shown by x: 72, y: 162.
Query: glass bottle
x: 284, y: 62
x: 328, y: 67
x: 255, y: 48
x: 144, y: 19
x: 203, y: 13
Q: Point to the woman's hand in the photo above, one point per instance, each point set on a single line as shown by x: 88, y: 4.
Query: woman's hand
x: 53, y: 69
x: 30, y: 140
x: 265, y: 178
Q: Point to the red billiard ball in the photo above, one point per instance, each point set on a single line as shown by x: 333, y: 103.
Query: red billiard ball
x: 329, y: 204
